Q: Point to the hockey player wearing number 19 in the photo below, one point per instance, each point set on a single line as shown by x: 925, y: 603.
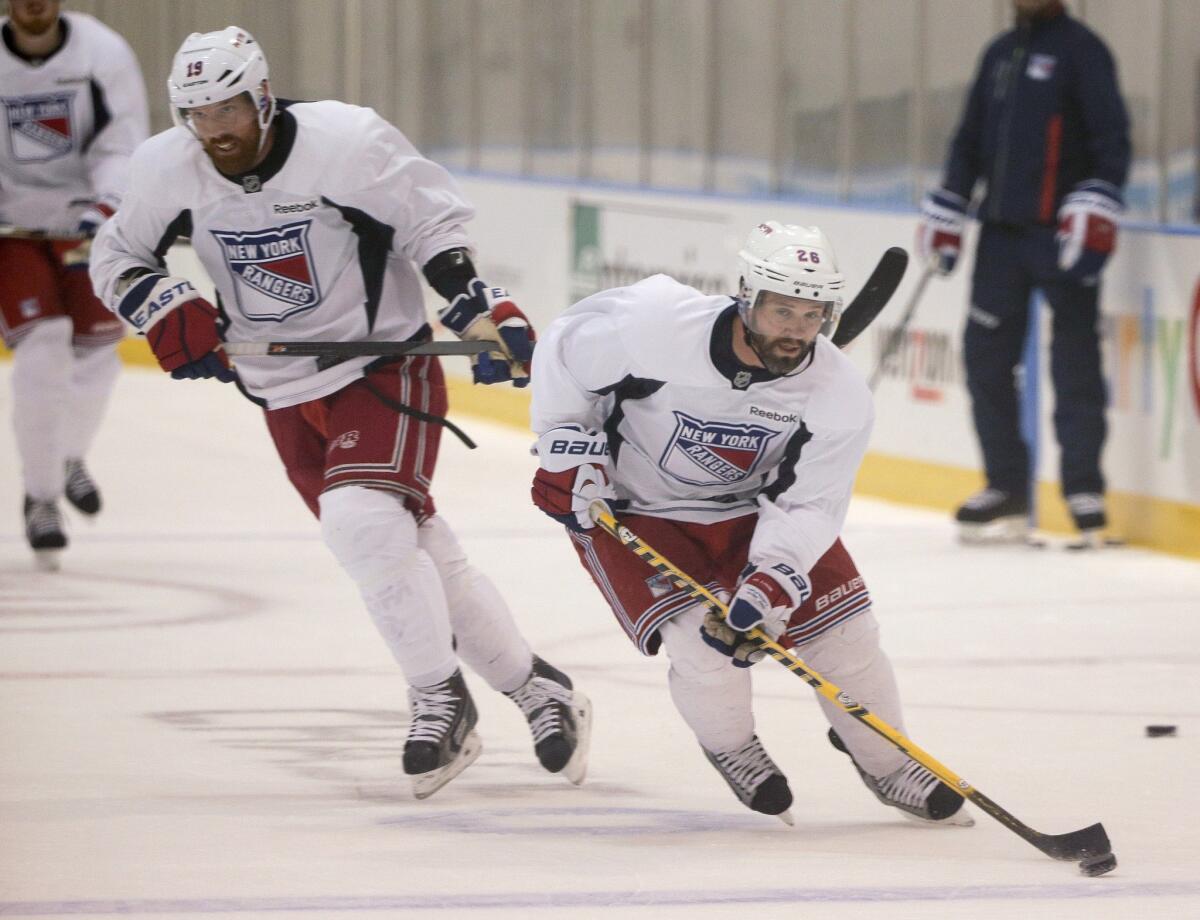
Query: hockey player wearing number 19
x: 311, y: 220
x: 727, y: 432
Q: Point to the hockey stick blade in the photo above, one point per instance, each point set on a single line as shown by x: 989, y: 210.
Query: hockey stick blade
x: 1086, y: 843
x: 874, y: 296
x: 355, y: 349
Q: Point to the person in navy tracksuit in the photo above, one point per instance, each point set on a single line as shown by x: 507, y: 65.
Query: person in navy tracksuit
x: 1046, y: 130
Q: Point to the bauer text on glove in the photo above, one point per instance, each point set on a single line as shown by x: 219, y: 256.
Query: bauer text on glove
x: 765, y: 598
x: 571, y: 475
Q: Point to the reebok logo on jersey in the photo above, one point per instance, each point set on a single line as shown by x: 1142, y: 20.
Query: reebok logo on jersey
x: 788, y: 417
x: 298, y: 208
x: 40, y: 127
x: 274, y: 264
x: 714, y: 453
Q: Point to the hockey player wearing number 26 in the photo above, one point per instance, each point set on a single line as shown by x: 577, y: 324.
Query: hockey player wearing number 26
x: 310, y: 219
x: 727, y: 432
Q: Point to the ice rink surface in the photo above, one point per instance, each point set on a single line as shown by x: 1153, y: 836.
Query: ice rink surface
x: 198, y: 719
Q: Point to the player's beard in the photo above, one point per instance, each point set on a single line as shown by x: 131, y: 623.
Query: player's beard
x: 40, y: 23
x: 779, y: 355
x: 241, y: 157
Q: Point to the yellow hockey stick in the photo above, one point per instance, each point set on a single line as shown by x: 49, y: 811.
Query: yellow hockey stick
x: 1089, y: 845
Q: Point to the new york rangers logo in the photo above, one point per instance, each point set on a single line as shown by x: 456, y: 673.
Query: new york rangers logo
x: 40, y: 127
x: 714, y: 453
x: 277, y: 263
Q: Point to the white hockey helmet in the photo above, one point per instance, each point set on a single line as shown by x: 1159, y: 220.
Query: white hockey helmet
x: 791, y: 260
x: 215, y: 66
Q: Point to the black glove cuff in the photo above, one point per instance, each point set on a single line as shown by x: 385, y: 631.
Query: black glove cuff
x: 450, y: 273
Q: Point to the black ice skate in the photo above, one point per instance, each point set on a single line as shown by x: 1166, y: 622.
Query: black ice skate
x: 560, y: 718
x: 441, y: 739
x: 80, y: 490
x: 755, y: 780
x: 917, y: 793
x: 993, y: 516
x: 44, y: 531
x: 1087, y: 511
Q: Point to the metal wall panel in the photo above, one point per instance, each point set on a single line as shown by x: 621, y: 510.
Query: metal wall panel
x: 828, y: 100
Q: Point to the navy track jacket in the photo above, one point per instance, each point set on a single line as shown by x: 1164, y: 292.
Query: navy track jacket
x: 1044, y: 114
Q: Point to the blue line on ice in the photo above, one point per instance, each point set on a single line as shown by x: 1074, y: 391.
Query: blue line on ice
x: 1098, y: 889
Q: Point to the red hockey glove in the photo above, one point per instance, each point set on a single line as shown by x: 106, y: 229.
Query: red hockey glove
x: 179, y: 324
x: 571, y: 475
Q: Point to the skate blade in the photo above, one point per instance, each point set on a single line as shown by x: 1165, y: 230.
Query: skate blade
x: 998, y: 532
x: 1092, y: 540
x: 576, y: 768
x: 426, y: 784
x: 47, y: 560
x: 961, y: 818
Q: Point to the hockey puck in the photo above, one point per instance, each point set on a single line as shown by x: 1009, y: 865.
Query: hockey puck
x: 1160, y: 731
x: 1098, y: 865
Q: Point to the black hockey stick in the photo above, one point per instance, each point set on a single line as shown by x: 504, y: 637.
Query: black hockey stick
x: 1089, y: 846
x: 896, y: 336
x: 855, y: 318
x: 356, y: 349
x: 873, y: 297
x: 9, y: 232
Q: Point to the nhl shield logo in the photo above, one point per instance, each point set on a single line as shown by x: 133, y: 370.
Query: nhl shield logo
x: 714, y: 453
x: 276, y: 264
x: 40, y: 127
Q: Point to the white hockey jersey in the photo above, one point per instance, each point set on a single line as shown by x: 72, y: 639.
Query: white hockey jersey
x: 694, y: 434
x: 71, y: 123
x: 317, y: 243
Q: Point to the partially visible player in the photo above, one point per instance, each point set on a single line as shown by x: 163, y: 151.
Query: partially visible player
x: 312, y: 220
x: 75, y: 109
x: 728, y: 430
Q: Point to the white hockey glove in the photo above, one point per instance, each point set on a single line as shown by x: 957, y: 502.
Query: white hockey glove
x: 88, y: 221
x: 1087, y: 229
x: 939, y: 235
x: 765, y: 598
x: 489, y: 314
x: 571, y: 475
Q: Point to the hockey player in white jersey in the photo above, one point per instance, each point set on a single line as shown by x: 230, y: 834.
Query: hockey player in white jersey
x: 74, y: 110
x: 727, y: 432
x: 312, y: 220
